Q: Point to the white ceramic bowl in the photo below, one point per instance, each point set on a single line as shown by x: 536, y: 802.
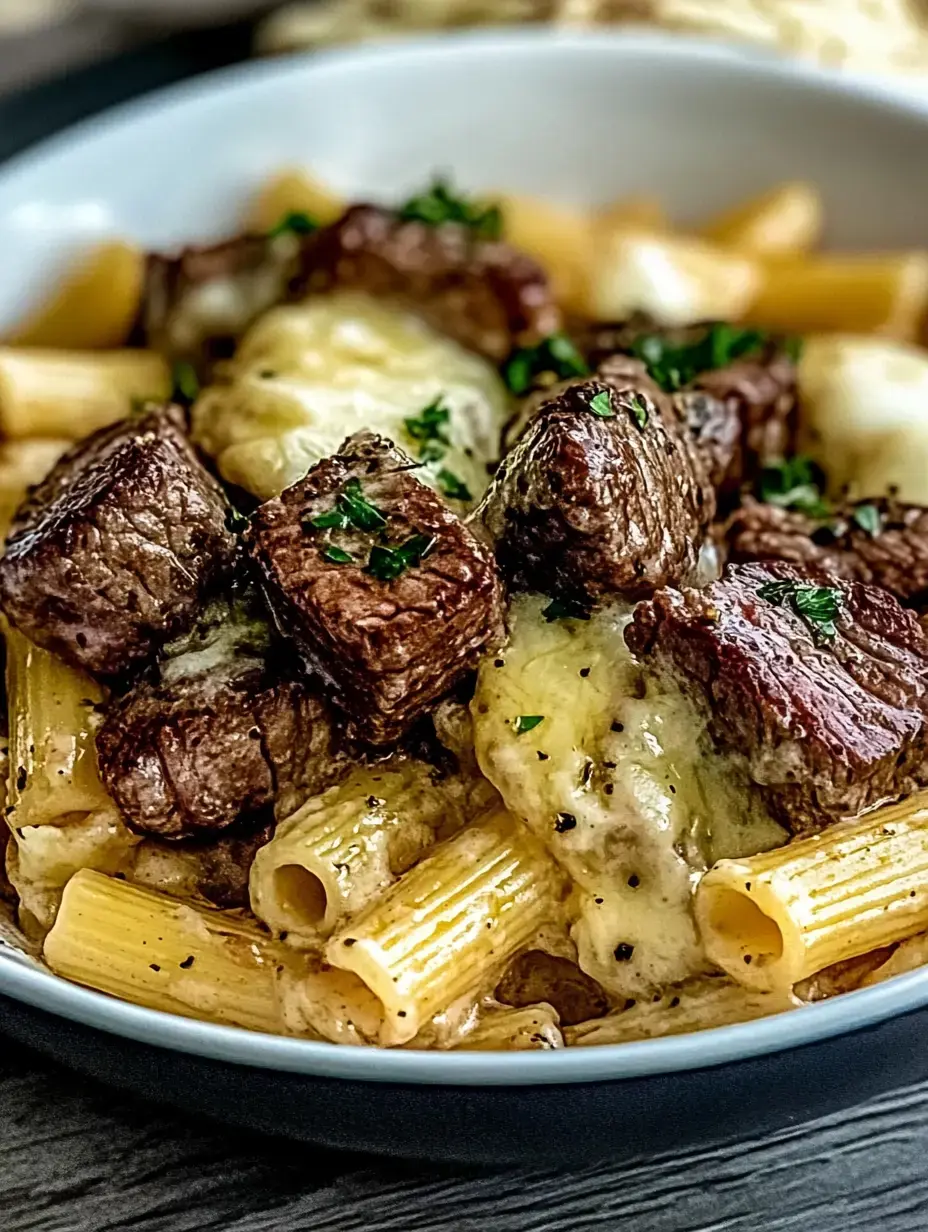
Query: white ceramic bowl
x: 577, y: 119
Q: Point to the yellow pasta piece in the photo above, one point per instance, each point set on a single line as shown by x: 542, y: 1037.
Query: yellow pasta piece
x: 293, y: 191
x: 94, y: 306
x: 168, y: 955
x: 53, y: 757
x: 69, y: 394
x: 697, y: 1005
x: 343, y: 849
x: 450, y: 924
x: 22, y: 464
x: 785, y: 220
x: 515, y: 1030
x: 558, y: 236
x: 676, y: 280
x: 879, y: 294
x: 772, y: 920
x: 639, y: 213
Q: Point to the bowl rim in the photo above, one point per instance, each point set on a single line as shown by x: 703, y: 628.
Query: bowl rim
x: 24, y: 980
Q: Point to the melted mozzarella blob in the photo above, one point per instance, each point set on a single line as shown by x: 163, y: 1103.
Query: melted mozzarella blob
x: 864, y: 415
x: 307, y: 376
x: 619, y: 782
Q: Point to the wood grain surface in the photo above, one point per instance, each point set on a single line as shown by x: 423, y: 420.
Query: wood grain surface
x: 74, y: 1157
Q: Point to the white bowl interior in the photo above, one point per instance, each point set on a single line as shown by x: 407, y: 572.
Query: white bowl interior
x: 583, y: 119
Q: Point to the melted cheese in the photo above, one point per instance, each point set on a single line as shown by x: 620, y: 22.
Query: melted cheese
x: 307, y: 376
x: 620, y: 784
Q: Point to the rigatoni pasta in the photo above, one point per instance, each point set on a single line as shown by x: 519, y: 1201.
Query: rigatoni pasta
x: 774, y: 919
x: 450, y: 923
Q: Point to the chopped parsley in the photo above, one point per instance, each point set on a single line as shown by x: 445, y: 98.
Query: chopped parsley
x: 869, y: 519
x: 566, y: 609
x: 639, y: 412
x: 235, y: 522
x: 795, y: 483
x: 351, y: 509
x: 431, y: 424
x: 527, y: 722
x: 338, y: 556
x: 439, y: 203
x: 295, y: 222
x: 673, y: 365
x: 601, y: 405
x: 555, y: 354
x: 186, y: 382
x: 387, y: 563
x: 817, y: 605
x: 453, y: 487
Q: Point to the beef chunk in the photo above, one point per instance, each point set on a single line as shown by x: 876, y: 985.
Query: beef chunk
x: 602, y: 493
x: 827, y: 719
x: 535, y: 976
x: 233, y: 743
x: 197, y: 304
x: 483, y: 293
x: 392, y: 603
x: 113, y: 551
x: 714, y: 427
x: 881, y: 542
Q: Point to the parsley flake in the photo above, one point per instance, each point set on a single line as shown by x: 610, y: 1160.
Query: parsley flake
x: 453, y: 487
x: 795, y: 483
x: 817, y: 605
x: 638, y: 410
x: 431, y: 424
x: 352, y: 509
x: 235, y: 522
x: 673, y: 365
x: 527, y: 722
x: 869, y: 519
x: 439, y: 204
x: 186, y: 382
x: 295, y: 222
x: 387, y: 563
x: 601, y: 405
x: 566, y: 609
x: 338, y: 556
x: 555, y: 354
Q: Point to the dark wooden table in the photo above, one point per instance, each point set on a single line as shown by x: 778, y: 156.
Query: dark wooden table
x: 75, y: 1157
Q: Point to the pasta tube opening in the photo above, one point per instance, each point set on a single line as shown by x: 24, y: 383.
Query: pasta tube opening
x: 741, y: 929
x: 300, y: 894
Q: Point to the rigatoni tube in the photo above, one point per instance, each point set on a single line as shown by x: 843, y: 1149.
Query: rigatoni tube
x: 774, y: 919
x: 70, y: 394
x: 344, y: 848
x: 168, y: 955
x: 53, y: 757
x: 451, y: 923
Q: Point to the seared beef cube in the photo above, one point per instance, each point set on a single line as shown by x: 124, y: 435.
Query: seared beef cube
x: 198, y: 304
x: 881, y: 542
x: 534, y: 976
x: 817, y: 686
x: 762, y: 393
x: 225, y: 747
x: 483, y: 293
x: 390, y: 595
x: 714, y: 427
x: 602, y: 493
x: 114, y: 550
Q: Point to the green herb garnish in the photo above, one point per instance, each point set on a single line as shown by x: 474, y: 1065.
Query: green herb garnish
x: 601, y: 405
x: 817, y: 605
x: 869, y: 519
x: 186, y: 382
x: 795, y: 483
x: 566, y: 609
x: 235, y: 522
x: 639, y: 412
x: 673, y: 365
x: 527, y: 722
x: 431, y: 424
x: 338, y: 556
x: 439, y: 204
x: 453, y: 487
x: 555, y: 355
x: 387, y: 563
x: 296, y: 222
